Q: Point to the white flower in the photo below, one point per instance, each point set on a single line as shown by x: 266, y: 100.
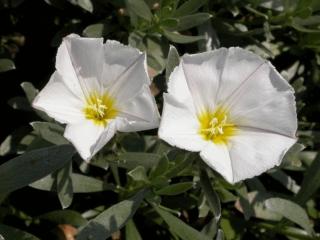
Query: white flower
x: 234, y: 108
x: 98, y: 89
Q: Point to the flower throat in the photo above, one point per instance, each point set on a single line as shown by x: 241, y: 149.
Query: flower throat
x: 100, y: 108
x: 215, y: 126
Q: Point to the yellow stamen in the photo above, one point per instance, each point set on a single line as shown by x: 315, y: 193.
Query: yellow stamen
x: 215, y: 126
x: 100, y: 108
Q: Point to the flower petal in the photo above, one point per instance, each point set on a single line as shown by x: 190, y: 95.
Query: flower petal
x: 239, y: 65
x: 88, y: 138
x: 202, y: 73
x: 65, y: 67
x: 217, y: 157
x: 128, y: 82
x: 57, y: 100
x: 178, y: 87
x: 80, y: 60
x: 265, y: 101
x: 118, y: 58
x: 253, y: 152
x: 140, y: 113
x: 179, y: 126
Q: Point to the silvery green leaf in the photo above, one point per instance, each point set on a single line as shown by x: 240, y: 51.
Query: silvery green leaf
x: 85, y: 4
x: 32, y: 166
x: 138, y: 174
x: 173, y: 60
x: 183, y: 230
x: 64, y: 185
x: 130, y: 160
x: 50, y: 132
x: 190, y: 21
x: 188, y: 7
x: 140, y: 8
x: 132, y: 232
x: 80, y: 184
x: 64, y: 217
x: 291, y: 211
x: 112, y: 219
x: 211, y: 195
x: 6, y: 65
x: 179, y: 38
x: 8, y: 233
x: 311, y: 182
x: 175, y: 189
x: 94, y: 30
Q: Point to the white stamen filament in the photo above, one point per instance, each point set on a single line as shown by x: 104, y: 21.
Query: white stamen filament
x: 99, y: 108
x: 216, y: 127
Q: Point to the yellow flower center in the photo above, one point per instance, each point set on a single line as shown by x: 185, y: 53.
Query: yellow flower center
x: 215, y: 126
x: 100, y: 108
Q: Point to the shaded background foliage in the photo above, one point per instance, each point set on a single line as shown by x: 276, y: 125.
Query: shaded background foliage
x: 172, y: 195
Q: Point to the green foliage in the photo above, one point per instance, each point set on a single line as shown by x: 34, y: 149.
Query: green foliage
x: 172, y: 61
x: 291, y: 211
x: 6, y: 65
x: 80, y: 184
x: 132, y: 231
x: 310, y: 183
x: 31, y: 166
x: 138, y: 186
x: 64, y: 217
x: 64, y: 185
x: 8, y: 232
x: 178, y: 227
x: 112, y: 219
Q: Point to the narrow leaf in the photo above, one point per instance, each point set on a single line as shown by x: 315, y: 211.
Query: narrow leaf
x: 30, y: 91
x: 244, y: 200
x: 138, y: 174
x: 183, y: 230
x: 132, y: 232
x: 210, y: 229
x: 170, y: 23
x: 85, y: 4
x: 178, y: 38
x: 140, y: 8
x: 64, y: 217
x: 31, y: 166
x: 175, y: 189
x: 173, y: 60
x: 80, y: 184
x: 291, y: 211
x: 210, y: 194
x: 11, y: 143
x: 7, y: 233
x: 50, y: 132
x: 64, y: 185
x: 285, y: 180
x: 6, y: 65
x: 180, y: 165
x: 160, y: 168
x: 310, y: 183
x: 112, y: 219
x: 305, y: 25
x: 20, y: 103
x: 220, y: 235
x: 191, y: 21
x: 257, y: 203
x: 86, y: 184
x: 94, y: 30
x: 189, y: 7
x: 130, y: 160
